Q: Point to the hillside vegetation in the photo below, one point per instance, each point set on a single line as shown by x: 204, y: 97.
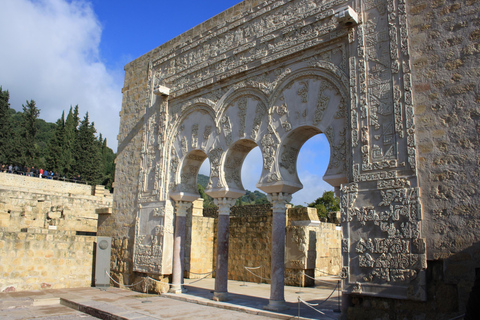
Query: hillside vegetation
x: 249, y: 198
x: 69, y: 148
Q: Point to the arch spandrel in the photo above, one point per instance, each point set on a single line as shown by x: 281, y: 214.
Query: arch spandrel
x: 231, y: 168
x: 192, y: 137
x: 235, y: 111
x: 308, y: 102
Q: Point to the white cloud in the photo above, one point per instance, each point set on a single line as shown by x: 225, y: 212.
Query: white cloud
x: 313, y: 188
x: 50, y: 53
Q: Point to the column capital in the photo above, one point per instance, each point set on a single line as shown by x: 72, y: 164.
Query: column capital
x: 182, y: 208
x: 224, y: 205
x: 279, y: 200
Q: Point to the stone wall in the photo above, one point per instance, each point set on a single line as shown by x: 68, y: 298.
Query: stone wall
x: 47, y: 232
x: 329, y: 244
x: 250, y: 245
x: 36, y: 204
x: 49, y: 260
x: 200, y: 246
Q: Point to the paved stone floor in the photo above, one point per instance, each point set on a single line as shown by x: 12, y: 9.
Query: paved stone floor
x: 247, y: 302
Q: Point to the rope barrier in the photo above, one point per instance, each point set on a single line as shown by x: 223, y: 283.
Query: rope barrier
x: 125, y: 285
x: 311, y: 306
x: 202, y: 273
x: 328, y: 274
x: 254, y: 268
x: 206, y: 275
x: 306, y: 275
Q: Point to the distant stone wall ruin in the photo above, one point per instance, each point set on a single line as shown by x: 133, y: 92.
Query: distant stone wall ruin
x: 47, y: 232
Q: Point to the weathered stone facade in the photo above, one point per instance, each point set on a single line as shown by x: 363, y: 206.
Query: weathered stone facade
x: 444, y: 41
x: 273, y: 74
x: 47, y: 232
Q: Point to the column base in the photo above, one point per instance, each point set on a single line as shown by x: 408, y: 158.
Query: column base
x: 220, y: 296
x: 177, y: 290
x: 274, y: 305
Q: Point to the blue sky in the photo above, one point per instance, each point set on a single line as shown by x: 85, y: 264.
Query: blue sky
x: 62, y: 53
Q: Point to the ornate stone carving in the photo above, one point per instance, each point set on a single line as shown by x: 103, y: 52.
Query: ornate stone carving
x: 345, y: 245
x: 226, y: 127
x: 278, y: 201
x: 260, y: 113
x: 269, y: 147
x: 242, y: 115
x: 224, y: 205
x: 195, y: 136
x: 289, y: 159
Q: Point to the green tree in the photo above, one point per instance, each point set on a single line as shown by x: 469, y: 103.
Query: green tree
x: 29, y: 132
x: 328, y: 202
x: 69, y: 143
x: 88, y: 157
x: 207, y: 200
x: 5, y: 127
x: 108, y: 158
x: 55, y: 157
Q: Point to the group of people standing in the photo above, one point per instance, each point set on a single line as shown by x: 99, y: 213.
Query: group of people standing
x: 34, y: 172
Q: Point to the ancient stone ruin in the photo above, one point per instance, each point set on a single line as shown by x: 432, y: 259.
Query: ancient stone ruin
x: 392, y: 84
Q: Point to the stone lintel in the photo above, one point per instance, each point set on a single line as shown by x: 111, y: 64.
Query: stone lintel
x: 105, y: 211
x: 225, y: 193
x: 184, y: 196
x: 280, y: 187
x: 303, y: 217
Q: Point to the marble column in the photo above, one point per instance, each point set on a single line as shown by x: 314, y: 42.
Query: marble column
x: 277, y: 290
x: 181, y: 208
x: 221, y: 275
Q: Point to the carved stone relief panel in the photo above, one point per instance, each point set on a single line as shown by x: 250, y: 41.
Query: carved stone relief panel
x: 264, y: 38
x: 391, y: 254
x: 150, y: 230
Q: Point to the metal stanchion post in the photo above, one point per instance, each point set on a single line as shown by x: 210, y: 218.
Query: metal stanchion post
x: 338, y: 296
x: 244, y: 277
x: 300, y: 283
x: 298, y: 307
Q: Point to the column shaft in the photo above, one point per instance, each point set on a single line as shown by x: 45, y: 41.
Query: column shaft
x: 221, y: 275
x: 278, y: 257
x: 277, y: 287
x: 179, y: 247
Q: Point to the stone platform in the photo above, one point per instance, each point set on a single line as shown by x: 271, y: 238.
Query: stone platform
x: 247, y: 301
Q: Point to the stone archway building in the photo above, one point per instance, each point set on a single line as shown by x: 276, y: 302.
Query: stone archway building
x: 273, y: 74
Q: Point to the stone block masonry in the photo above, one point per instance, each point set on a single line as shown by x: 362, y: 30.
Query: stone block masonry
x: 47, y: 232
x: 36, y: 204
x: 51, y: 260
x: 250, y: 245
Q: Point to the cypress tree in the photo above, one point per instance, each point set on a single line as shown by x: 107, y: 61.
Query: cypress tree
x: 71, y: 124
x: 108, y: 164
x: 56, y: 156
x: 5, y: 127
x: 29, y: 131
x: 88, y: 158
